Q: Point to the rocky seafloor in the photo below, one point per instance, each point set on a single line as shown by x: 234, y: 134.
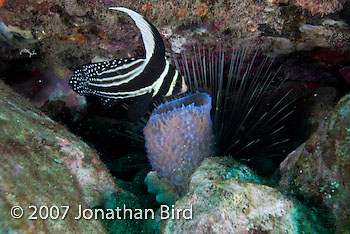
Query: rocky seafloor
x: 59, y: 149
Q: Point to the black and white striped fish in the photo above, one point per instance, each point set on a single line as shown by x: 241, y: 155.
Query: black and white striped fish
x: 139, y: 79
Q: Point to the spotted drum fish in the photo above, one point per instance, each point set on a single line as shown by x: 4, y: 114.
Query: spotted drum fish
x: 140, y: 80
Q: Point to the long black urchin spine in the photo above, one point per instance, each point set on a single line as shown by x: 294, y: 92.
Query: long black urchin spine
x: 245, y: 118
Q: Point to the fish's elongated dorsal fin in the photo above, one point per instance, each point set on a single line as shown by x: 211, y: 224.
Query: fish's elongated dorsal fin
x: 152, y: 39
x: 140, y: 80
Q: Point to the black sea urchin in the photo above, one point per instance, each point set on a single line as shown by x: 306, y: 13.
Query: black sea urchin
x: 248, y: 113
x: 248, y: 121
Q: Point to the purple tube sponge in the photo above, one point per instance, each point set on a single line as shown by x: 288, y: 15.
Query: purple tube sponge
x: 178, y: 137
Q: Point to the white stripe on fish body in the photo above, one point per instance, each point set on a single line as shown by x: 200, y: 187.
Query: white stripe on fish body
x: 98, y: 69
x: 158, y: 83
x: 155, y: 87
x: 117, y: 80
x: 124, y: 66
x: 113, y: 63
x: 172, y: 85
x: 143, y: 25
x: 124, y: 95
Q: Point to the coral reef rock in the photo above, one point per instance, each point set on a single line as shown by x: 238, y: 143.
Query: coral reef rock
x: 42, y: 164
x: 165, y: 192
x: 225, y: 198
x: 321, y: 6
x: 74, y: 32
x: 319, y: 169
x: 13, y: 36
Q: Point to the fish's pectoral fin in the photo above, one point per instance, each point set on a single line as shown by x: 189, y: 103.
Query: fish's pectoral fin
x: 107, y: 103
x: 139, y: 107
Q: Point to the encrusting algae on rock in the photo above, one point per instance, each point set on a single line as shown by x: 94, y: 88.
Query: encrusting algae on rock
x: 42, y: 164
x: 318, y: 170
x: 323, y: 7
x: 226, y: 202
